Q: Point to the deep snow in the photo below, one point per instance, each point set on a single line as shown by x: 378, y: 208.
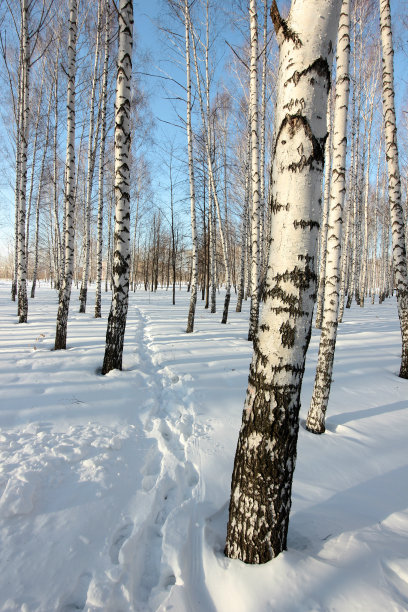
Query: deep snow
x: 114, y: 490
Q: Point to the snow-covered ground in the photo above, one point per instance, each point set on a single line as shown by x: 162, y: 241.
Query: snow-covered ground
x: 114, y: 490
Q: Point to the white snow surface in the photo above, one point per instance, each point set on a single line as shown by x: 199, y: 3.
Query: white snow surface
x: 114, y: 489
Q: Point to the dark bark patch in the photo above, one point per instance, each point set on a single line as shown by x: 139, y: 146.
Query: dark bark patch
x: 304, y: 224
x: 287, y: 333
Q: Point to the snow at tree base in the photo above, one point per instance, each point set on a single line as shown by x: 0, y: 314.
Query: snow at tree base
x: 114, y: 489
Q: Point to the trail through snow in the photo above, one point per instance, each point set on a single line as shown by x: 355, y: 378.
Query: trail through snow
x: 114, y: 490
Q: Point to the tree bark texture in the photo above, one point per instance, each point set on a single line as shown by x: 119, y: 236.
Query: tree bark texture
x: 255, y: 177
x: 265, y: 458
x: 194, y: 239
x: 69, y: 199
x: 121, y: 259
x: 98, y: 292
x: 24, y: 101
x: 394, y: 181
x: 316, y: 417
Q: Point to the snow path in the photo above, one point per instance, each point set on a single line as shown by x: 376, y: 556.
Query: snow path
x: 114, y: 489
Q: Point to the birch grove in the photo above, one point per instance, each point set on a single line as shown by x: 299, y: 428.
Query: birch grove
x: 234, y: 165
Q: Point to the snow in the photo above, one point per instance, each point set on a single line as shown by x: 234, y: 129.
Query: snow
x: 114, y: 490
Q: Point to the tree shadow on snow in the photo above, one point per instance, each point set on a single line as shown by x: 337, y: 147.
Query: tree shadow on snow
x: 364, y: 505
x: 346, y: 417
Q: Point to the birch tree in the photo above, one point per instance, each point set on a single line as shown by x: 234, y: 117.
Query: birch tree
x: 316, y: 417
x: 266, y: 452
x: 69, y: 196
x: 394, y: 182
x: 22, y: 151
x: 102, y: 167
x: 91, y: 166
x: 255, y: 178
x: 194, y: 239
x: 118, y: 312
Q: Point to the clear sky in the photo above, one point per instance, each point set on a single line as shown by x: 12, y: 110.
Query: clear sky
x: 152, y: 41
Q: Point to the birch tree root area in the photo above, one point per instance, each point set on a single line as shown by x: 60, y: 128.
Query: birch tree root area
x: 266, y: 453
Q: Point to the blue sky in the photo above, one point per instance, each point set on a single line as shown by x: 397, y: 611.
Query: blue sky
x: 151, y: 40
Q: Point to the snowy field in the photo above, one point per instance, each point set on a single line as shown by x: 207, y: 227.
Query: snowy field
x: 114, y: 490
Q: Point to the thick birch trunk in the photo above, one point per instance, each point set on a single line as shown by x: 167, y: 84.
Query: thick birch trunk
x: 394, y: 182
x: 265, y: 459
x: 69, y: 239
x: 316, y: 417
x: 117, y: 317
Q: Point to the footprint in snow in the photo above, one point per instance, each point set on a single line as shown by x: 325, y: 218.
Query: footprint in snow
x: 119, y: 539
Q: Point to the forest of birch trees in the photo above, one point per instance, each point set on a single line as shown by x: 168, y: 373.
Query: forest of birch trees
x: 266, y: 156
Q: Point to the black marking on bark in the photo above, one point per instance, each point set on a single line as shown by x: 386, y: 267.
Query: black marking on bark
x: 304, y: 224
x: 294, y: 123
x: 320, y: 66
x: 282, y: 28
x: 288, y: 334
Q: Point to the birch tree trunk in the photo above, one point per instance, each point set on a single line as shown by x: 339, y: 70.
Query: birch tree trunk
x: 265, y: 459
x: 22, y: 255
x: 255, y: 178
x: 69, y: 239
x: 194, y: 239
x: 117, y: 317
x: 102, y: 167
x: 19, y: 122
x: 323, y: 229
x: 60, y: 245
x: 394, y: 182
x: 316, y: 417
x: 91, y: 166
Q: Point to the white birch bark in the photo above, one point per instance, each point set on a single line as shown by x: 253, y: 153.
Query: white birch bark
x: 194, y: 239
x: 262, y: 207
x: 91, y: 167
x: 102, y: 167
x: 22, y: 255
x: 117, y: 317
x: 255, y: 178
x: 266, y: 452
x: 394, y: 182
x: 60, y: 245
x: 241, y: 285
x: 19, y: 122
x: 315, y: 421
x: 69, y: 196
x: 364, y: 263
x: 323, y: 229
